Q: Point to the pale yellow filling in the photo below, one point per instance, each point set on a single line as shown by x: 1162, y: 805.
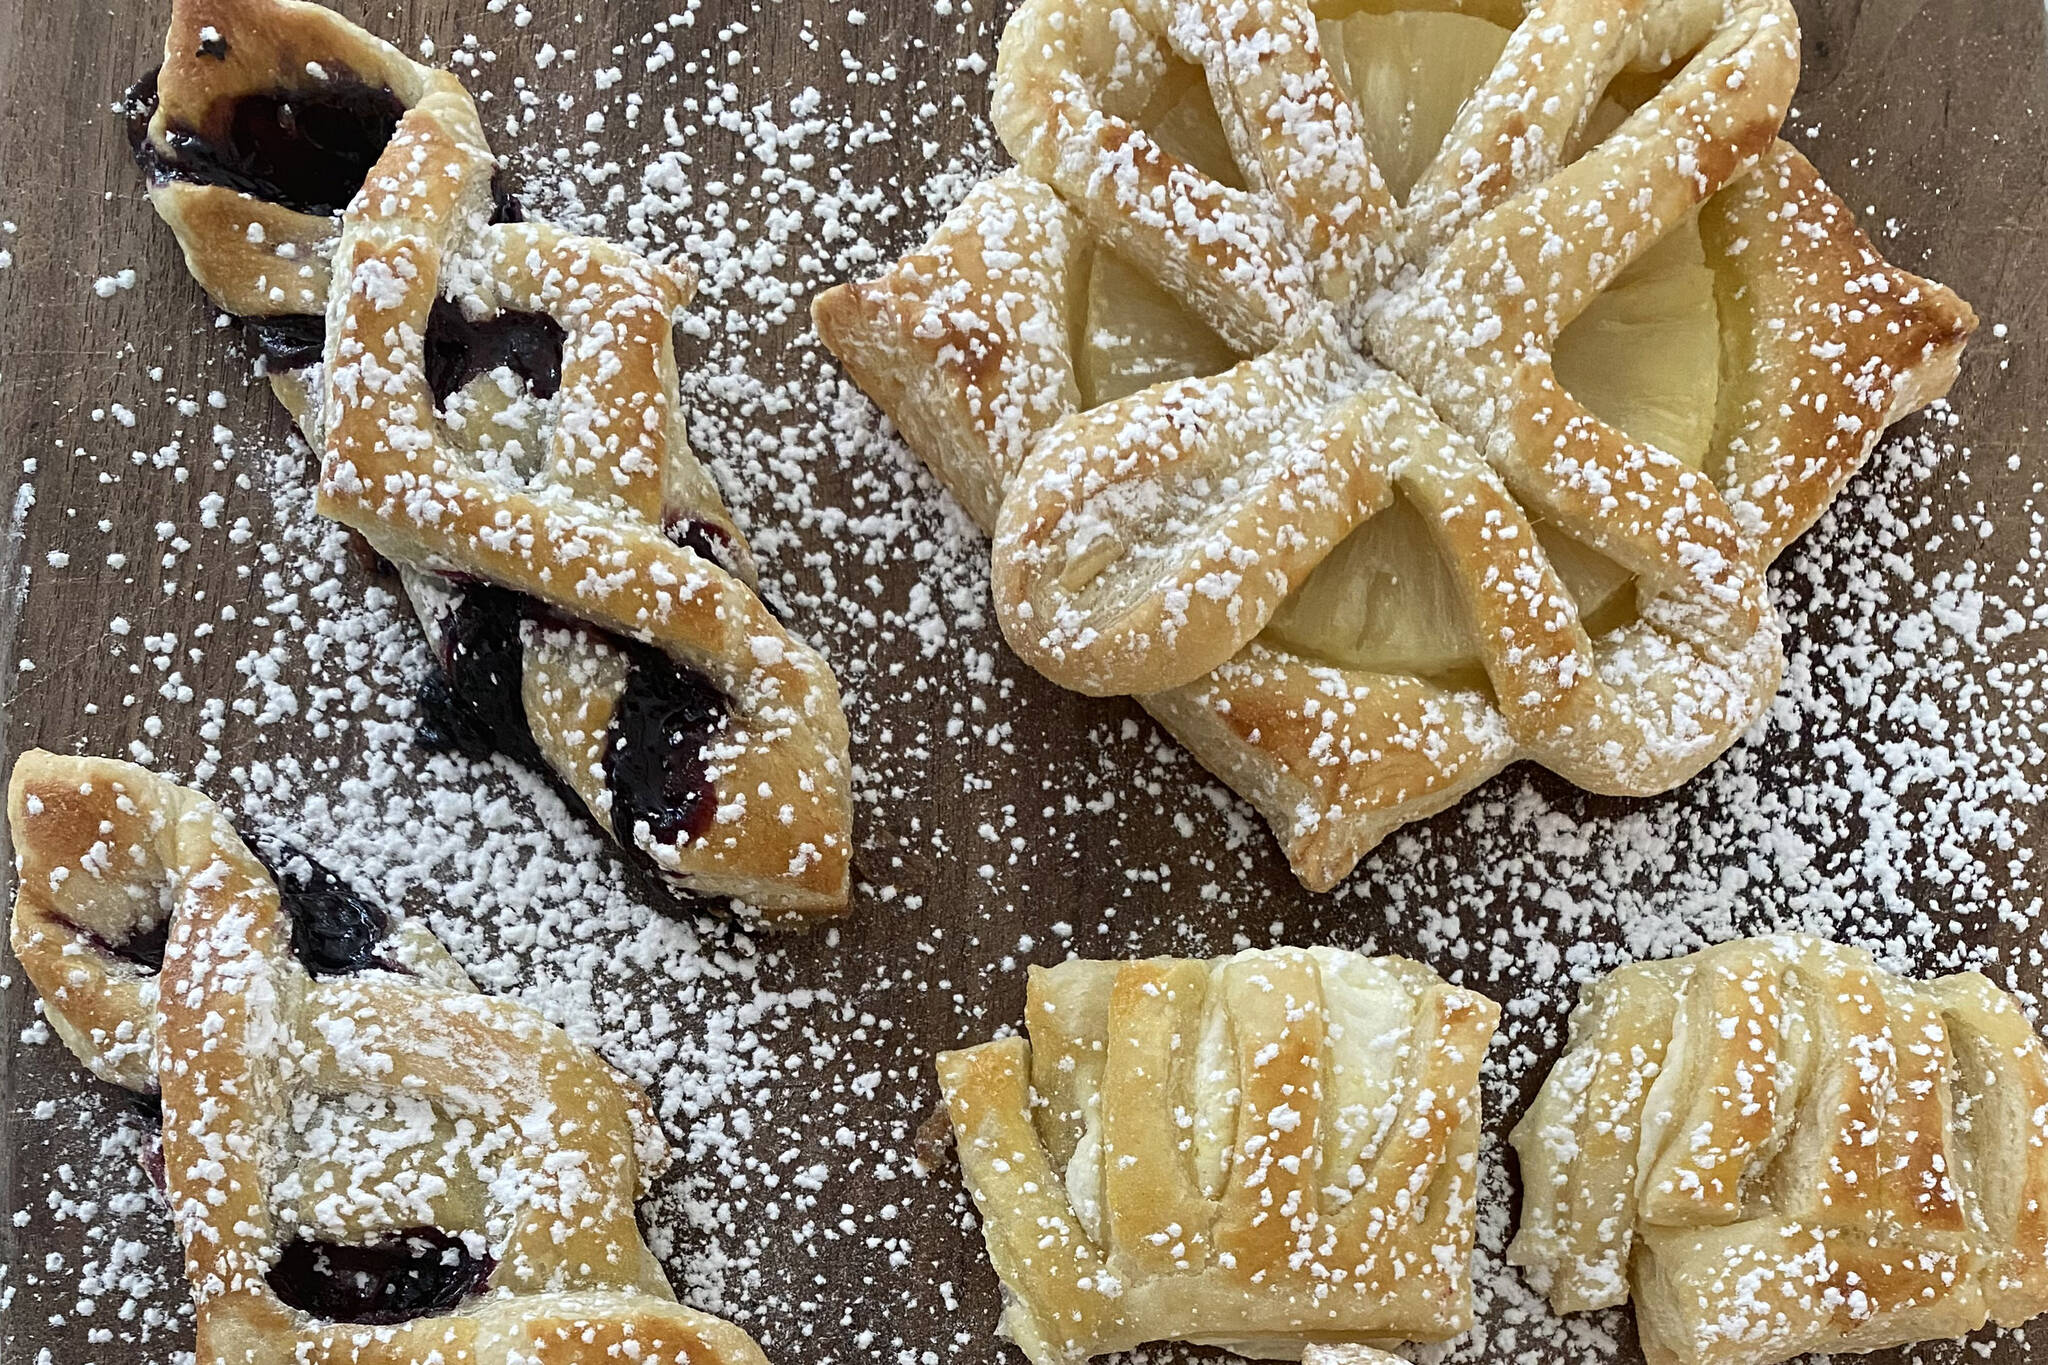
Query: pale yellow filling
x: 1644, y: 356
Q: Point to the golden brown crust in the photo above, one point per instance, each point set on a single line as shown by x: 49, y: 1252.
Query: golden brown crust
x: 579, y: 537
x: 1335, y: 760
x: 1774, y: 1146
x: 1290, y: 433
x: 970, y: 388
x: 589, y: 535
x: 1140, y: 546
x: 1268, y: 1149
x: 1861, y: 342
x: 237, y: 1029
x: 215, y: 52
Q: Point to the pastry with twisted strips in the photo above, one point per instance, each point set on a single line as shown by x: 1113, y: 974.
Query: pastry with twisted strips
x: 495, y: 406
x: 1262, y: 1151
x: 1774, y: 1146
x: 1382, y: 393
x: 365, y: 1160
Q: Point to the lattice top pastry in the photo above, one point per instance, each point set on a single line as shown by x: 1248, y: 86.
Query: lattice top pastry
x: 495, y: 403
x: 1261, y: 1152
x: 1776, y: 1147
x: 1385, y: 392
x: 366, y: 1161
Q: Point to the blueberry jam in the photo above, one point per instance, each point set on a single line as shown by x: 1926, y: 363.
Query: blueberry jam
x: 406, y: 1275
x: 307, y: 150
x: 143, y: 948
x: 473, y: 702
x: 654, y: 763
x: 708, y: 539
x: 716, y: 544
x: 505, y: 205
x: 654, y: 760
x: 311, y: 151
x: 334, y: 931
x: 458, y: 349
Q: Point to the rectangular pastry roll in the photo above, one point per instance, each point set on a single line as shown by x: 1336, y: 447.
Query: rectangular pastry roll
x: 1263, y: 1152
x: 1774, y: 1146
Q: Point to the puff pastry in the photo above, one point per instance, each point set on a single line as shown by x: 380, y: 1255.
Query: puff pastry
x: 495, y: 406
x: 1262, y: 1151
x: 365, y: 1160
x: 1372, y: 436
x: 1774, y: 1146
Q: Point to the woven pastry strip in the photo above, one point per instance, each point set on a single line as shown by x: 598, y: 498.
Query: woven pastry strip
x: 495, y: 403
x: 1380, y: 353
x: 1270, y: 1149
x: 533, y: 1151
x: 1774, y: 1147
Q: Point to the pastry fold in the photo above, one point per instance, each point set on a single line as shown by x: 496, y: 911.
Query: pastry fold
x: 366, y: 1161
x: 496, y: 411
x: 1333, y: 357
x: 1262, y: 1151
x: 1775, y: 1146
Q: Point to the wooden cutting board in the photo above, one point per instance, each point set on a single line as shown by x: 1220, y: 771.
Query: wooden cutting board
x: 1001, y: 820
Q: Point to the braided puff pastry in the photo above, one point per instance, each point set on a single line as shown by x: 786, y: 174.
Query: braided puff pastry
x: 495, y: 405
x: 1776, y: 1147
x: 366, y: 1161
x: 1261, y: 1152
x: 1383, y: 394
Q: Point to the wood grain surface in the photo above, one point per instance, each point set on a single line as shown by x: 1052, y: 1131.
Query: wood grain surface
x: 1926, y: 117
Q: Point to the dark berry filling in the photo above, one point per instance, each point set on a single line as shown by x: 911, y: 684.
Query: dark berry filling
x: 459, y: 349
x: 716, y: 544
x: 654, y: 761
x: 308, y: 150
x: 505, y: 205
x: 334, y: 931
x: 289, y: 341
x: 406, y: 1275
x: 312, y: 151
x: 146, y: 1112
x: 143, y: 948
x: 654, y: 764
x: 707, y: 539
x: 473, y: 704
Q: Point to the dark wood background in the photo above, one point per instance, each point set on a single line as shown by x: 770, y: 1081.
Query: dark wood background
x: 1926, y: 116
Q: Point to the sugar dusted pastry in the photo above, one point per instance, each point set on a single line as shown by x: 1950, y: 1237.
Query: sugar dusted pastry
x: 1373, y: 436
x: 1259, y: 1151
x: 367, y: 1162
x: 496, y: 410
x: 1774, y: 1147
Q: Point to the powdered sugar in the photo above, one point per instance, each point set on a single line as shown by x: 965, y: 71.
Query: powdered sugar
x: 1886, y: 796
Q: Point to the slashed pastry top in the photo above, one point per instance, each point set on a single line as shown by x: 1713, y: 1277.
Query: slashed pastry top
x: 365, y: 1160
x: 1774, y: 1146
x: 1386, y: 392
x: 1260, y: 1151
x: 496, y: 410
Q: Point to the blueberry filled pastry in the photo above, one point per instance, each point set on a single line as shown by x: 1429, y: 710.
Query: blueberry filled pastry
x: 495, y: 407
x: 365, y: 1160
x: 1384, y: 394
x: 1775, y: 1146
x: 1263, y: 1152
